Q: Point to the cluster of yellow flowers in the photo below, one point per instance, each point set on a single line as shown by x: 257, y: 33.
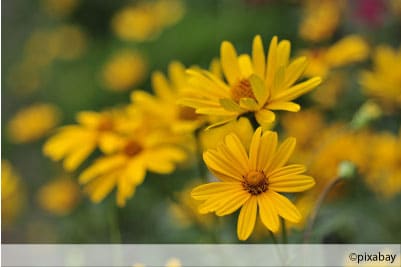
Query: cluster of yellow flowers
x: 154, y: 133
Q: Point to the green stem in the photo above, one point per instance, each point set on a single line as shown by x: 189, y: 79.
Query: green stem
x: 319, y: 202
x: 115, y: 235
x: 284, y: 232
x: 199, y: 152
x: 273, y: 237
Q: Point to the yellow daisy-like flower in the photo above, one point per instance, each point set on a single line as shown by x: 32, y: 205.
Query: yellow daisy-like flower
x: 74, y: 143
x: 252, y: 181
x: 254, y: 84
x: 126, y: 166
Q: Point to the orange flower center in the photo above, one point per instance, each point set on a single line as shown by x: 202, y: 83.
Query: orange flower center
x: 242, y: 89
x: 105, y: 124
x: 132, y: 148
x: 255, y: 182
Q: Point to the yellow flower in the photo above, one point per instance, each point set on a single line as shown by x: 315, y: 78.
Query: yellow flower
x: 59, y: 196
x: 253, y: 180
x: 146, y: 20
x: 74, y: 143
x: 126, y: 162
x: 12, y: 193
x: 59, y: 8
x: 257, y: 84
x: 124, y: 70
x: 348, y: 50
x: 384, y: 82
x: 321, y: 18
x: 162, y: 106
x: 384, y: 174
x: 33, y: 122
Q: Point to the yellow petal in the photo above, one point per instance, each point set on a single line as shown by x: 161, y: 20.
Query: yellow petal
x: 283, y: 53
x: 247, y: 219
x: 288, y: 106
x: 271, y: 63
x: 282, y: 155
x: 245, y: 65
x: 254, y: 148
x: 291, y: 183
x: 101, y: 166
x: 76, y: 157
x: 264, y: 117
x: 176, y: 72
x: 237, y: 149
x: 294, y: 71
x: 229, y: 62
x: 248, y: 104
x: 220, y: 165
x: 99, y: 188
x: 268, y: 213
x: 284, y: 207
x: 135, y: 171
x: 209, y: 190
x: 297, y: 90
x: 288, y: 170
x: 89, y: 118
x: 259, y: 90
x: 268, y: 146
x: 237, y: 162
x: 232, y: 203
x: 161, y: 86
x: 258, y: 56
x: 230, y: 105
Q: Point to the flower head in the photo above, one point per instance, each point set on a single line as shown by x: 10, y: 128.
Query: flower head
x: 33, y: 122
x: 384, y: 81
x: 253, y: 84
x: 74, y: 143
x: 253, y: 181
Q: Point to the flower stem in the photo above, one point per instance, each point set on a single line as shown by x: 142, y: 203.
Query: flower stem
x: 283, y: 232
x: 273, y: 238
x: 115, y: 235
x: 319, y: 202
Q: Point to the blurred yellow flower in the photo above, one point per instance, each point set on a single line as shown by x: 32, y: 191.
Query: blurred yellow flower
x: 253, y: 180
x: 331, y: 90
x: 348, y: 50
x: 127, y: 160
x: 124, y: 70
x: 59, y: 196
x: 74, y: 143
x: 59, y: 8
x: 146, y: 20
x: 162, y: 106
x: 257, y: 84
x: 384, y: 175
x: 384, y: 81
x: 68, y: 41
x: 320, y: 20
x: 185, y: 210
x: 33, y: 122
x: 12, y: 194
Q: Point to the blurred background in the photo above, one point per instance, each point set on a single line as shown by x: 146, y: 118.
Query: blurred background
x: 60, y: 57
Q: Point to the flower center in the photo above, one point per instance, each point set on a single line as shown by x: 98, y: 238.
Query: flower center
x: 132, y: 148
x: 187, y: 114
x: 242, y: 89
x: 105, y: 124
x: 255, y: 182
